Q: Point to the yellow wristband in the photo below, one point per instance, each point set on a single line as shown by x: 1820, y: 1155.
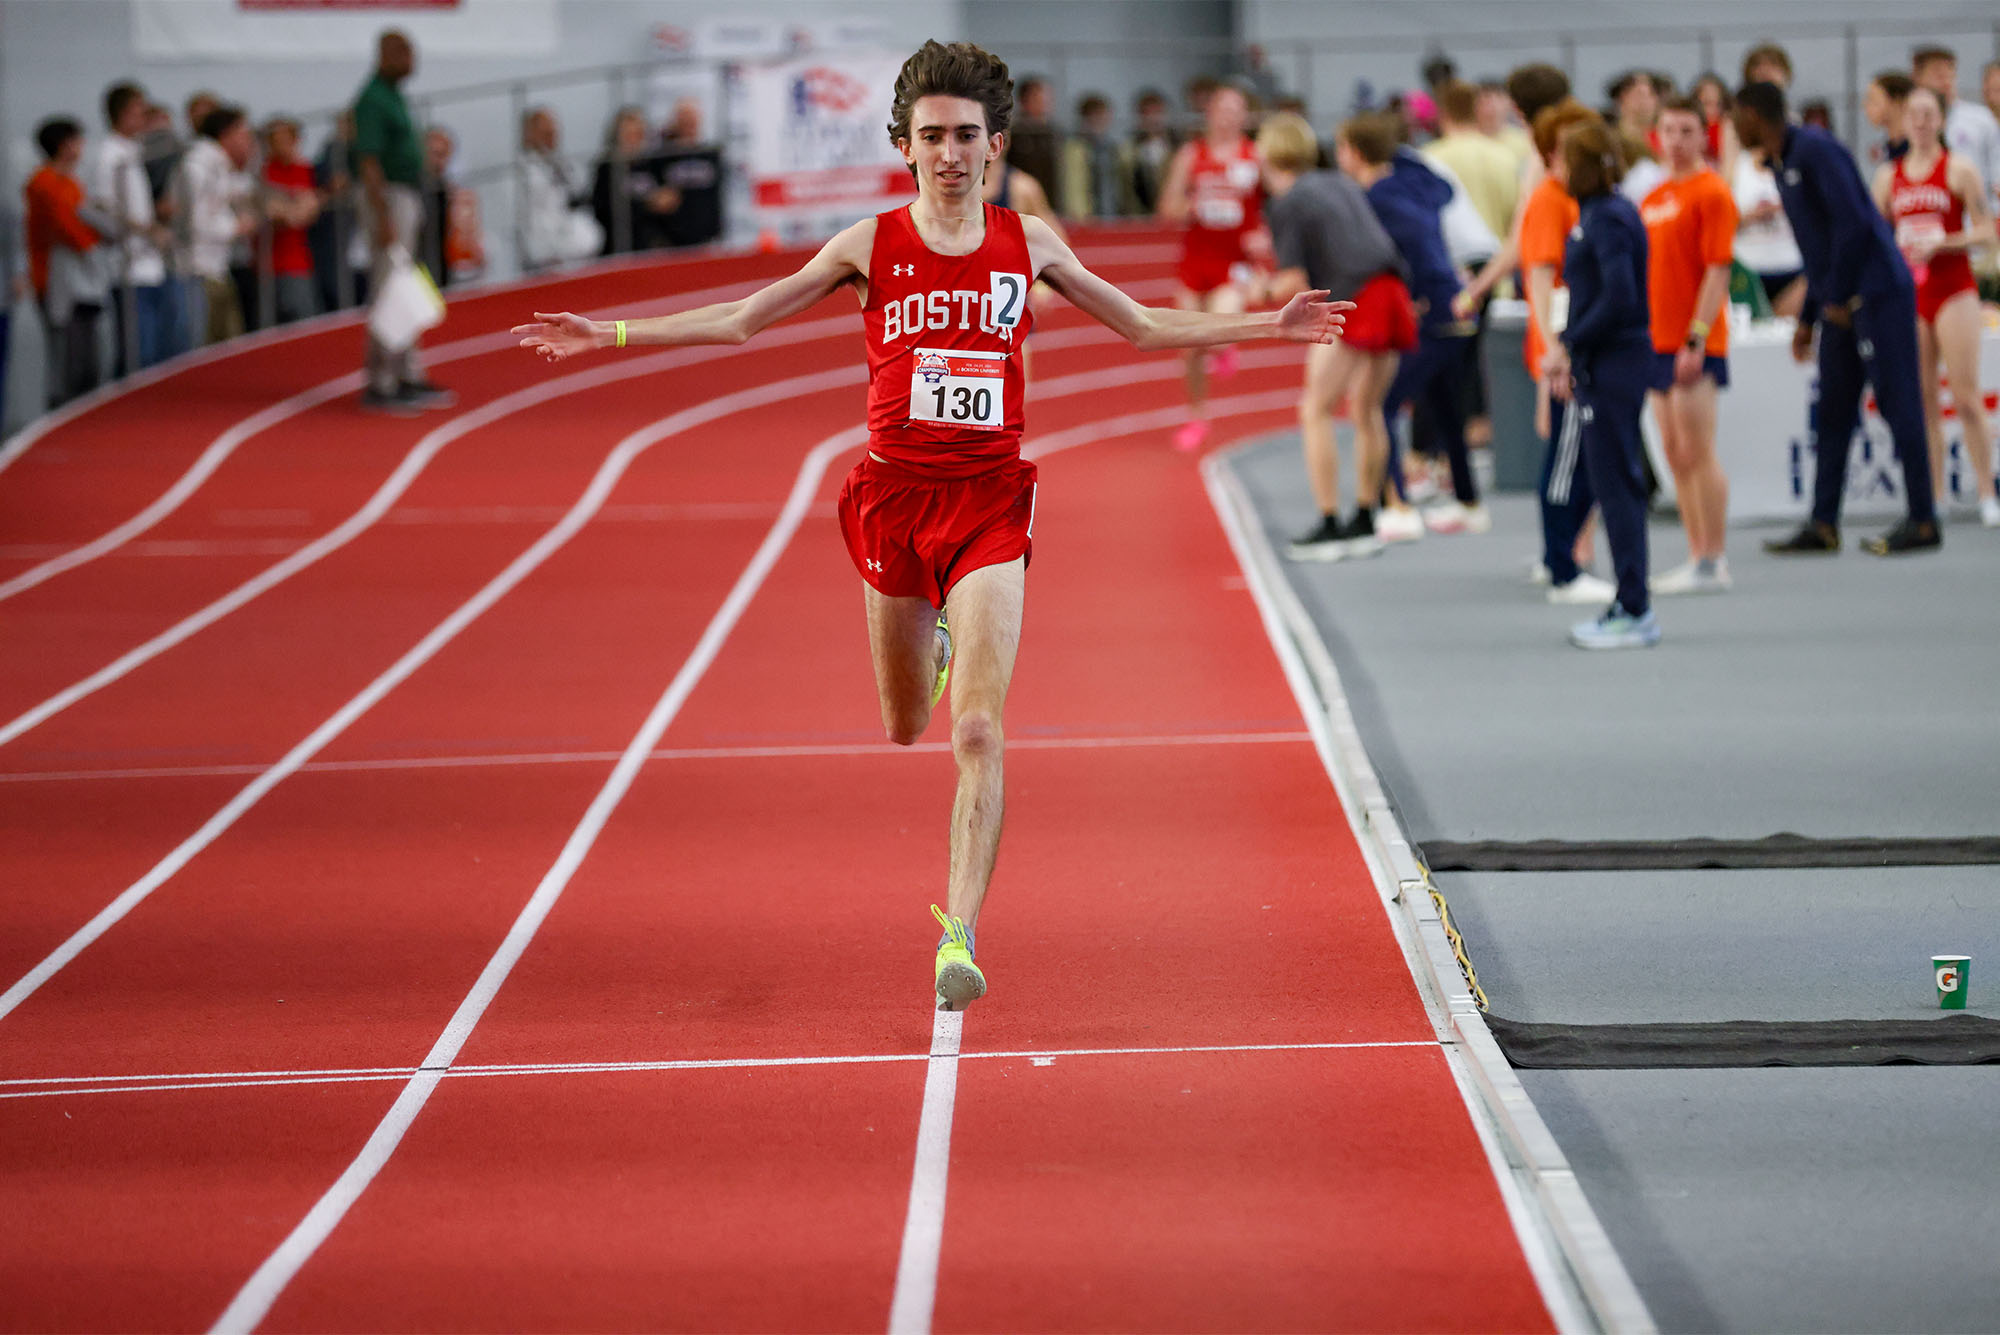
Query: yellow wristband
x: 1698, y: 331
x: 621, y: 333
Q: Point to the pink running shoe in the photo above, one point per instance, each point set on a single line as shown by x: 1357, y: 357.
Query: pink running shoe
x: 1191, y: 437
x: 1226, y: 362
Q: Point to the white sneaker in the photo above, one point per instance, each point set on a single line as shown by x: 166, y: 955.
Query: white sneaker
x: 1693, y: 578
x: 1538, y: 573
x: 1445, y: 517
x: 1398, y: 525
x: 1989, y: 513
x: 1478, y: 519
x: 1585, y: 588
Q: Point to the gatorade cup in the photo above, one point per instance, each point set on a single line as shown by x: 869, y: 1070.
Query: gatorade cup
x: 1954, y: 978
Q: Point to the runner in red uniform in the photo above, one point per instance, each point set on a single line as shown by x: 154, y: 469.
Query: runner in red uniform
x: 1934, y: 201
x: 937, y: 516
x: 1215, y: 186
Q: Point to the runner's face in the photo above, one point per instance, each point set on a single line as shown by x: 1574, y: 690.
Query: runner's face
x: 1922, y: 120
x: 1682, y: 137
x: 1227, y: 113
x: 949, y: 146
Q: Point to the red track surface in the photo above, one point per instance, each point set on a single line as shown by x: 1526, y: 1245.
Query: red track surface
x: 759, y: 893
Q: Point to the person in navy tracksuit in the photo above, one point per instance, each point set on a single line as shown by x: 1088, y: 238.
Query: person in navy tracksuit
x: 1860, y: 296
x: 1603, y: 364
x: 1408, y: 198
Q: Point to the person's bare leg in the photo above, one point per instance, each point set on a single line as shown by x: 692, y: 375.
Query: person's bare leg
x: 1956, y: 332
x: 1667, y: 417
x: 1330, y: 370
x: 903, y: 642
x: 1371, y: 432
x: 1194, y: 372
x: 1695, y: 407
x: 1927, y: 379
x: 984, y: 609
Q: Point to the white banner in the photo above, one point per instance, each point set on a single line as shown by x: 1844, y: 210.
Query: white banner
x: 814, y: 145
x: 244, y: 29
x: 1760, y: 436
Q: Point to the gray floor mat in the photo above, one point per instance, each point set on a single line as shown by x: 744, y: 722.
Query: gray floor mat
x: 1860, y: 1200
x: 1653, y: 947
x: 1838, y: 697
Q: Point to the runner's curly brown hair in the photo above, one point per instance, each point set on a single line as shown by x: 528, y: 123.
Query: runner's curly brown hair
x: 956, y: 69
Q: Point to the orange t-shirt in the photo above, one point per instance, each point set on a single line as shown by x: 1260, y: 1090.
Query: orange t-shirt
x: 1690, y: 225
x: 1546, y: 221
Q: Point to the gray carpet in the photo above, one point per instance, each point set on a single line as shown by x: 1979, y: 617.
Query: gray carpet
x: 1858, y: 1199
x: 1660, y: 947
x: 1848, y: 696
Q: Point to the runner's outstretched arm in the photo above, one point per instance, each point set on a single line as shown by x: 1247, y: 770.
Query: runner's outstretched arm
x: 1307, y: 318
x: 840, y: 261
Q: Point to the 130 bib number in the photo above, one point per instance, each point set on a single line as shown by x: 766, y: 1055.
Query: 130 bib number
x: 961, y: 389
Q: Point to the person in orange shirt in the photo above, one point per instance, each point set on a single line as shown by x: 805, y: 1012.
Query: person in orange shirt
x: 1547, y: 218
x: 1691, y: 233
x: 63, y: 231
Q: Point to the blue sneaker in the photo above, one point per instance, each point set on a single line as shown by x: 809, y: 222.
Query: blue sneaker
x: 1617, y: 629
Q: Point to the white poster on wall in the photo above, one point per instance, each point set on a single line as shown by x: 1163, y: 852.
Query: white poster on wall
x: 279, y: 29
x: 815, y: 147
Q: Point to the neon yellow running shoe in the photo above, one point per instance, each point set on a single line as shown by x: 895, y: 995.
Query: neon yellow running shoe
x: 959, y: 982
x: 944, y: 668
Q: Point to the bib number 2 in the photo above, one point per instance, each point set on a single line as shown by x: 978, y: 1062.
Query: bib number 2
x: 961, y: 389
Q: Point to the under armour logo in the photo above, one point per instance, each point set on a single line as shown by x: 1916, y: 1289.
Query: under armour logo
x: 902, y: 270
x: 875, y: 566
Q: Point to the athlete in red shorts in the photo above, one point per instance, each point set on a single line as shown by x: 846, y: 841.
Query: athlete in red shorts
x: 1934, y: 201
x: 1215, y: 186
x: 938, y: 515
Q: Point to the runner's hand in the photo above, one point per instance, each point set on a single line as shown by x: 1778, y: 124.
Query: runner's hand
x: 1802, y: 334
x: 1687, y: 366
x: 558, y: 336
x: 1310, y: 318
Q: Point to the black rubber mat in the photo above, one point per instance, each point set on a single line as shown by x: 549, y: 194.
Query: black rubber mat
x: 1774, y: 851
x: 1948, y: 1040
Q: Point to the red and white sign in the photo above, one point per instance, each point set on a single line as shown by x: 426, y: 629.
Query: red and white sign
x: 814, y: 145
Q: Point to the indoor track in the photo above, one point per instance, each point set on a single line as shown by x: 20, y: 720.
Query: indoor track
x: 455, y: 879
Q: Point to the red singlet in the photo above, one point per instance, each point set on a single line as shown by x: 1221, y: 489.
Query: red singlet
x: 1225, y: 201
x: 944, y: 335
x: 1928, y: 208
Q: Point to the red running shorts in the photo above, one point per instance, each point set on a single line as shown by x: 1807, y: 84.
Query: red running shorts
x: 912, y: 536
x: 1383, y: 318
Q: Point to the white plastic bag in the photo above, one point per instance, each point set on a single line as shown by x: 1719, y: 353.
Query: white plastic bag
x: 407, y: 305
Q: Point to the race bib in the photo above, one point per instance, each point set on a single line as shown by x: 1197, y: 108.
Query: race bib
x: 1220, y: 212
x: 1918, y: 226
x: 961, y: 389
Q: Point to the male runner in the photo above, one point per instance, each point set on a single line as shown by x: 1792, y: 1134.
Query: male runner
x: 1215, y: 186
x: 938, y: 515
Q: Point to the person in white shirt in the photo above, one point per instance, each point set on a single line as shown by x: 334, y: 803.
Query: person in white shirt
x: 215, y: 195
x: 1970, y: 130
x: 144, y: 314
x: 556, y: 225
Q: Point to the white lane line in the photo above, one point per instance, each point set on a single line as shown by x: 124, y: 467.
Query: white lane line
x: 42, y: 1087
x: 801, y: 751
x: 915, y: 1295
x: 607, y: 476
x: 254, y: 1300
x: 413, y: 463
x: 230, y: 440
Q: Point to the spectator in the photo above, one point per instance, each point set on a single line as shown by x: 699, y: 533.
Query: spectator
x: 434, y: 253
x: 13, y: 287
x: 143, y: 319
x: 1764, y: 241
x: 1970, y: 130
x: 1818, y: 113
x: 389, y: 164
x: 1437, y: 71
x: 1767, y: 62
x: 1494, y: 110
x: 292, y: 202
x: 1258, y: 78
x: 160, y: 149
x: 1096, y: 167
x: 1152, y: 148
x: 1643, y: 168
x: 1883, y: 106
x: 215, y: 196
x: 64, y: 260
x: 628, y: 194
x: 691, y: 166
x: 1195, y: 94
x: 1712, y: 92
x: 1485, y: 169
x: 1635, y: 102
x: 555, y: 222
x: 338, y: 241
x: 1034, y: 146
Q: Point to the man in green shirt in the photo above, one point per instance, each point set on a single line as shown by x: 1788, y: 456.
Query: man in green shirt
x: 388, y: 161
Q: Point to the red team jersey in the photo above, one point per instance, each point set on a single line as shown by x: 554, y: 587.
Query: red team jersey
x: 944, y: 339
x: 1928, y: 208
x: 944, y: 490
x: 1225, y: 202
